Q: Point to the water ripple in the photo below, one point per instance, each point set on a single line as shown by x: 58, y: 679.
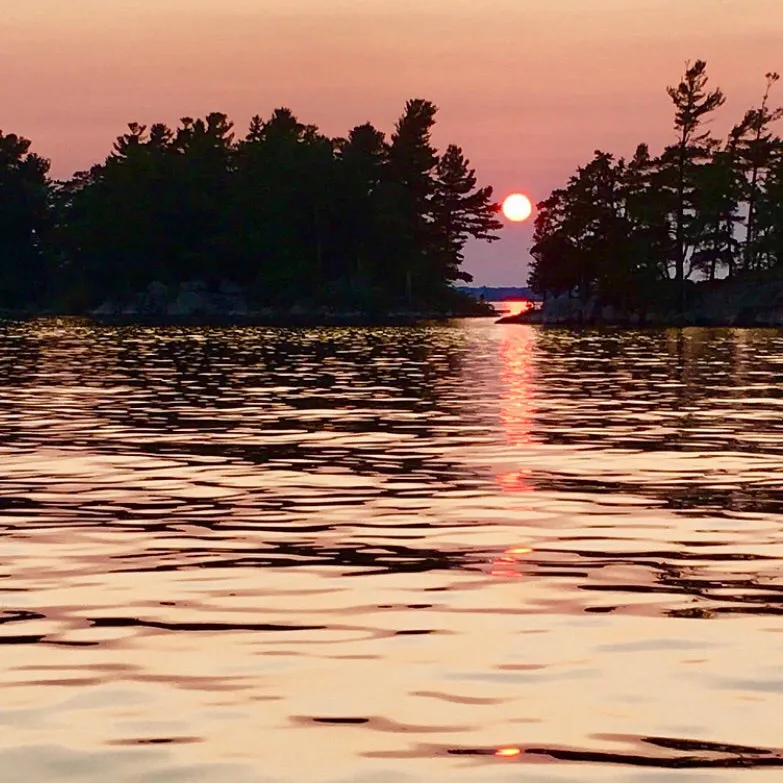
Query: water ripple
x: 394, y: 553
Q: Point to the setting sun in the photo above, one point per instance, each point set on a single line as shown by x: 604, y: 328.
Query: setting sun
x: 517, y: 208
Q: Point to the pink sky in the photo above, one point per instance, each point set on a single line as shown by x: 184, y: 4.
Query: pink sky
x: 528, y: 89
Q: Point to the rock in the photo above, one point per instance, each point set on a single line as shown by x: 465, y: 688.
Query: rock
x: 154, y: 299
x: 195, y: 299
x: 189, y: 302
x: 230, y: 299
x: 565, y: 309
x: 239, y: 308
x: 157, y: 290
x: 227, y: 288
x: 107, y: 307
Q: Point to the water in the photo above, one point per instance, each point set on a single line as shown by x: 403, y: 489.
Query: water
x: 465, y: 551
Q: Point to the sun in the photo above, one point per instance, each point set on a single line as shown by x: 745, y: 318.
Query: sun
x: 517, y: 208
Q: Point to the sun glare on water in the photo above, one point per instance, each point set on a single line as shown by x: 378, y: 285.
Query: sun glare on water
x: 517, y: 208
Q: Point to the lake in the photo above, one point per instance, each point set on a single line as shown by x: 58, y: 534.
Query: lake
x: 463, y: 551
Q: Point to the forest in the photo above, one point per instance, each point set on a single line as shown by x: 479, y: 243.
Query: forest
x: 290, y: 215
x: 649, y: 230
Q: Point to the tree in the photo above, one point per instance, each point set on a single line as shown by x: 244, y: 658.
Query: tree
x: 718, y: 191
x: 412, y: 164
x: 461, y: 211
x: 581, y: 239
x: 283, y: 189
x: 769, y: 217
x: 24, y: 216
x: 755, y: 147
x: 555, y: 253
x: 296, y: 216
x: 202, y: 153
x: 693, y: 103
x: 649, y: 207
x: 622, y: 231
x: 361, y: 172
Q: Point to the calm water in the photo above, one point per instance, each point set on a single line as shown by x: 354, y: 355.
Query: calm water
x: 393, y: 555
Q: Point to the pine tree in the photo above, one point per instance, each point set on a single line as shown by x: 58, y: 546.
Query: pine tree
x: 412, y: 164
x: 769, y: 215
x: 362, y: 162
x: 649, y: 207
x: 693, y: 103
x: 581, y: 234
x: 461, y: 211
x: 755, y: 147
x: 24, y: 216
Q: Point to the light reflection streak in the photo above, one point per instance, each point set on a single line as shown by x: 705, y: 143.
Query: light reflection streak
x: 507, y: 565
x: 517, y: 381
x: 516, y: 400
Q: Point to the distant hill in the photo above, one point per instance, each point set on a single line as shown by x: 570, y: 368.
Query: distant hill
x: 498, y: 293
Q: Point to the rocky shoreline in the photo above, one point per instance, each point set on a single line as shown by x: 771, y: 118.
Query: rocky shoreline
x: 721, y: 304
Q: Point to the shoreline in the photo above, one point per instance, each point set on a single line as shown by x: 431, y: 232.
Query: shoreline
x: 638, y: 326
x: 748, y: 303
x: 277, y: 319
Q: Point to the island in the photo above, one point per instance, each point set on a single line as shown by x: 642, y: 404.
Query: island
x: 283, y: 224
x: 692, y: 235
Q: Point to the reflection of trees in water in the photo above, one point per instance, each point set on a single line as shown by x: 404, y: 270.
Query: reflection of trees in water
x: 20, y: 356
x: 242, y: 397
x: 20, y: 361
x: 709, y: 392
x: 674, y: 389
x: 698, y: 496
x: 233, y: 392
x: 710, y: 585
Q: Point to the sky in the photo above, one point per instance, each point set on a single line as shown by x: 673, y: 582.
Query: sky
x: 528, y: 88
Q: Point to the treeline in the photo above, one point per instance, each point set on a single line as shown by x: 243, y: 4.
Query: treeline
x: 289, y: 213
x: 630, y: 231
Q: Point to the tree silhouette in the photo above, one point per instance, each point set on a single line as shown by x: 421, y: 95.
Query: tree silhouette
x: 632, y: 233
x: 24, y: 217
x: 362, y: 161
x: 364, y: 223
x: 293, y: 216
x: 755, y: 148
x: 412, y: 164
x: 461, y: 211
x: 693, y: 103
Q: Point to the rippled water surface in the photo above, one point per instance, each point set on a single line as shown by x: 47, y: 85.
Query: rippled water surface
x: 468, y: 552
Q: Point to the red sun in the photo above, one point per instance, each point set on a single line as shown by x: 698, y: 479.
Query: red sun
x: 517, y: 208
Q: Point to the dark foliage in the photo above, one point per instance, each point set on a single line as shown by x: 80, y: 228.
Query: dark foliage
x: 24, y: 218
x: 293, y: 216
x: 625, y: 231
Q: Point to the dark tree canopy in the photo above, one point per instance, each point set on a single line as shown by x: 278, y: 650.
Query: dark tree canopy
x: 288, y: 213
x: 704, y: 208
x: 24, y: 217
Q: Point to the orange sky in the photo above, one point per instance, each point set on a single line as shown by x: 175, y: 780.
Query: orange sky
x: 528, y: 88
